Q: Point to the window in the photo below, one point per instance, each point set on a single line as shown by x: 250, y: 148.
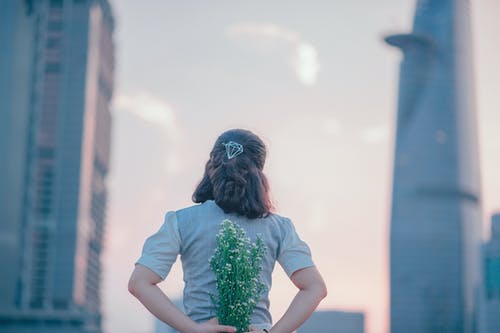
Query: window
x: 53, y: 42
x: 52, y: 67
x: 56, y: 3
x: 55, y: 25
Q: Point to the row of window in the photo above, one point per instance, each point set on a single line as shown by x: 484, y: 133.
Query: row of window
x: 35, y: 322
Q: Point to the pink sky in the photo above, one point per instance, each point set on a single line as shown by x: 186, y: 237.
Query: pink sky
x: 319, y: 86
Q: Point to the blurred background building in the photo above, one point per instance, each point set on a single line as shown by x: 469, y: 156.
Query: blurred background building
x: 334, y: 322
x: 490, y: 305
x: 436, y: 220
x: 56, y: 83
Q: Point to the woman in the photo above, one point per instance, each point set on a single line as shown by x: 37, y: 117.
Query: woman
x: 235, y: 188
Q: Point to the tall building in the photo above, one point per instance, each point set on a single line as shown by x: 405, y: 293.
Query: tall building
x: 334, y: 322
x: 56, y: 81
x: 490, y: 305
x: 435, y: 231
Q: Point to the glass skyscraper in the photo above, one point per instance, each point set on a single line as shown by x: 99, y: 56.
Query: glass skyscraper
x: 56, y: 82
x: 334, y: 322
x: 490, y: 305
x: 435, y: 232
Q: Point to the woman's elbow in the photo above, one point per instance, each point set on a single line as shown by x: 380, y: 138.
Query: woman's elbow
x: 319, y: 290
x: 141, y: 279
x: 131, y: 287
x: 323, y: 291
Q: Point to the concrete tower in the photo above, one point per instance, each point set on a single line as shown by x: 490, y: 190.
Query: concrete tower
x: 435, y: 232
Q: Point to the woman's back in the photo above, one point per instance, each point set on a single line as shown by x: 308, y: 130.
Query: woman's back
x: 190, y: 232
x: 233, y: 187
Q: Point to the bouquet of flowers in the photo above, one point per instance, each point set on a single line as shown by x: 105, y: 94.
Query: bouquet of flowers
x: 237, y: 263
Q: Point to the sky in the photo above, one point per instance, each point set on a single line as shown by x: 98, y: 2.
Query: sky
x: 317, y: 83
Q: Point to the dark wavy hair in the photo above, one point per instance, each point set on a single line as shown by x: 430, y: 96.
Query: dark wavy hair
x: 237, y: 185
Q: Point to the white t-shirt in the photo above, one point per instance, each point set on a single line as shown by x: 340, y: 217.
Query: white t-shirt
x: 190, y: 233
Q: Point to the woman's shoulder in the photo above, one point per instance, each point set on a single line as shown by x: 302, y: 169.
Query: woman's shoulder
x: 194, y: 207
x: 277, y: 217
x: 199, y: 209
x: 282, y: 221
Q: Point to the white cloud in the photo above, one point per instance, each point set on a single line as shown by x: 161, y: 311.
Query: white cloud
x: 375, y: 135
x: 263, y: 30
x: 157, y: 112
x: 307, y: 64
x: 304, y: 56
x: 149, y: 108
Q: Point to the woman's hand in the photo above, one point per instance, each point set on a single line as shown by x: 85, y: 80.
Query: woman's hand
x: 212, y: 326
x: 143, y: 285
x: 312, y: 290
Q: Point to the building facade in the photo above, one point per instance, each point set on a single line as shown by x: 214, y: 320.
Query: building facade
x: 334, y: 322
x: 435, y: 231
x: 490, y: 305
x: 55, y: 125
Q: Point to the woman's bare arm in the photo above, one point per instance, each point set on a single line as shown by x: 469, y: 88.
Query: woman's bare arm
x: 143, y: 285
x: 312, y: 290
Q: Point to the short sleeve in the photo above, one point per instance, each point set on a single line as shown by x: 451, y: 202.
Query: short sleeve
x: 294, y: 253
x: 161, y: 249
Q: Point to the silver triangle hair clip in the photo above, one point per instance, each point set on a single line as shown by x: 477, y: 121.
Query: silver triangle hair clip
x: 233, y: 149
